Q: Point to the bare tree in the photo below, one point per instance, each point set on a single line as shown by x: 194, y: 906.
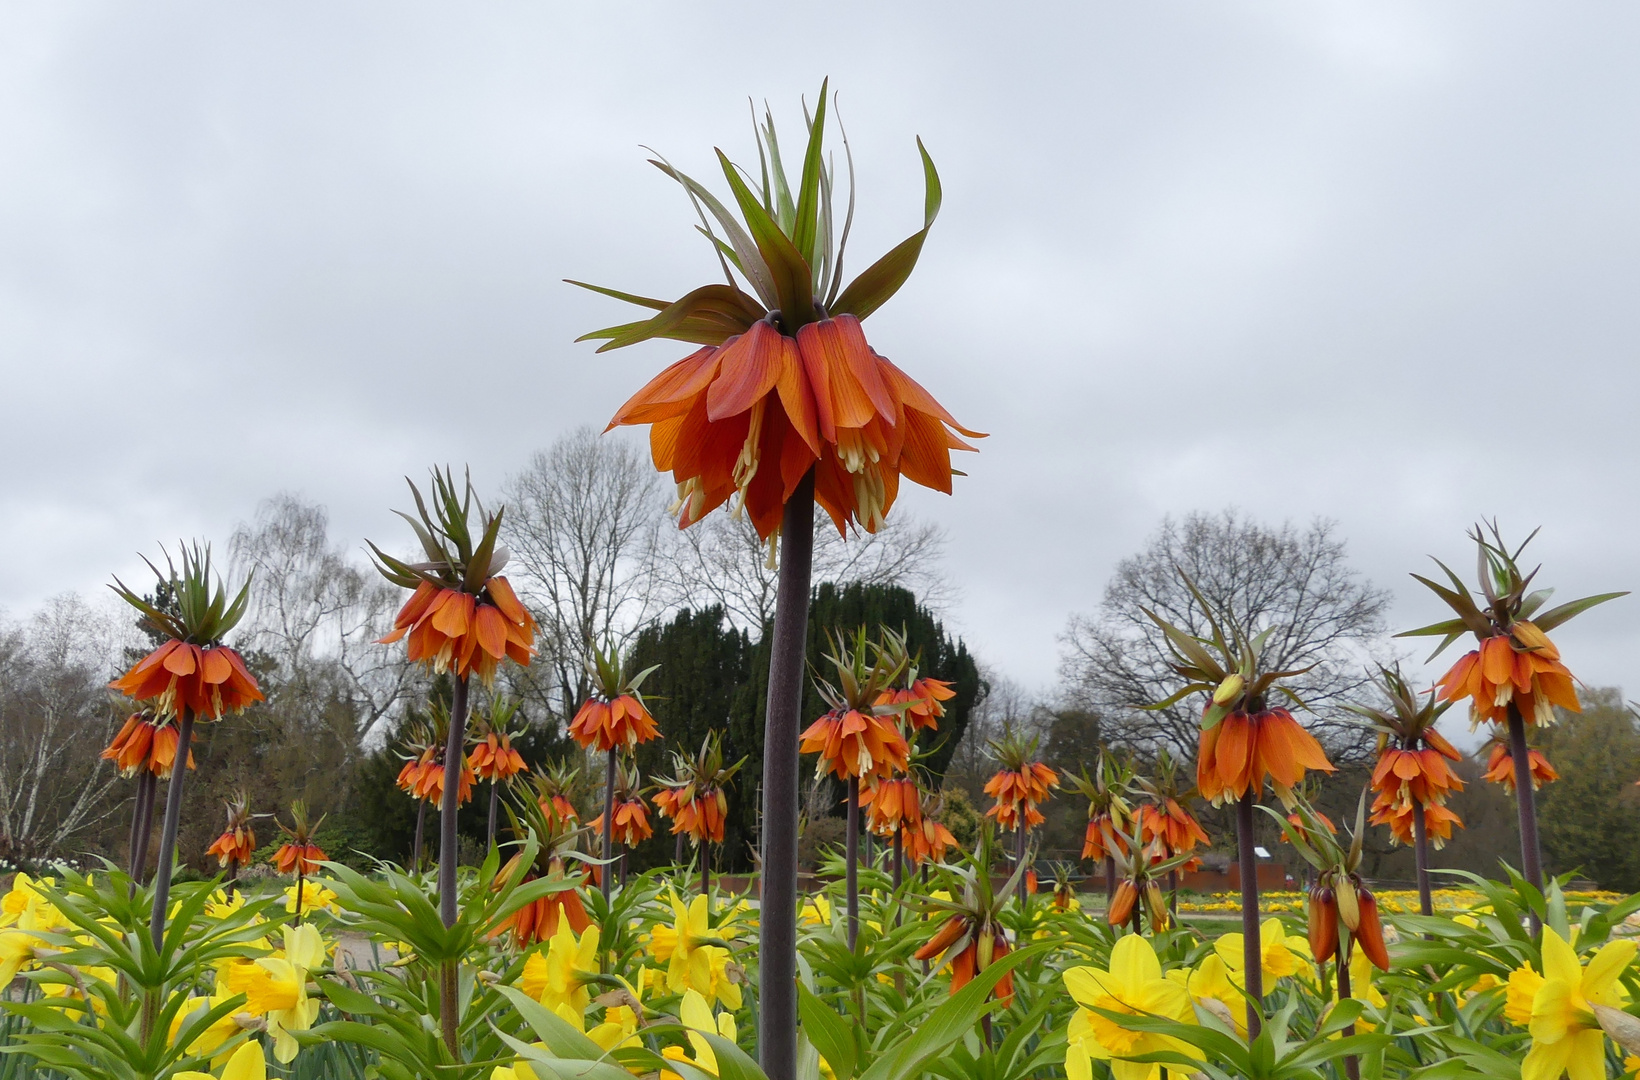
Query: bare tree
x: 55, y: 717
x: 1253, y: 577
x: 721, y: 561
x: 582, y: 522
x: 317, y: 615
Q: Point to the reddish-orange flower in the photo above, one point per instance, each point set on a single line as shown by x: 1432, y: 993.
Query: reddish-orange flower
x: 1500, y: 767
x: 538, y: 921
x: 451, y: 628
x: 892, y: 804
x: 928, y: 841
x: 1438, y: 820
x: 1521, y: 667
x: 144, y: 744
x: 235, y: 845
x: 922, y: 701
x: 631, y: 823
x: 296, y: 856
x: 696, y: 812
x: 1018, y: 790
x: 494, y: 758
x: 622, y: 721
x: 857, y: 743
x: 1405, y: 775
x: 177, y: 675
x: 424, y: 777
x: 1238, y: 752
x: 754, y: 414
x: 1093, y: 841
x: 967, y: 963
x: 1176, y: 828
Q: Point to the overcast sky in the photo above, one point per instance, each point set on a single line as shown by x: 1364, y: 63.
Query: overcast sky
x: 1372, y: 261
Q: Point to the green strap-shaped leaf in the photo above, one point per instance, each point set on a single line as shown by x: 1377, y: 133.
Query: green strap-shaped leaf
x: 787, y: 268
x: 883, y: 278
x: 804, y: 229
x: 1555, y: 616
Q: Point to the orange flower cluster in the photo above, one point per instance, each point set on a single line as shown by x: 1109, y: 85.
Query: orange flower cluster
x: 494, y: 759
x: 923, y: 702
x: 537, y: 921
x: 424, y: 778
x: 448, y: 627
x: 1238, y: 752
x: 1093, y: 841
x: 756, y: 413
x: 143, y: 744
x: 1406, y: 778
x: 1500, y: 767
x: 298, y: 858
x: 927, y: 841
x: 852, y: 743
x: 892, y: 804
x: 967, y: 962
x: 1521, y: 667
x: 1017, y: 792
x: 236, y: 846
x: 560, y: 812
x: 1175, y: 827
x: 631, y: 823
x: 1368, y: 933
x: 206, y: 681
x: 698, y: 812
x: 622, y: 721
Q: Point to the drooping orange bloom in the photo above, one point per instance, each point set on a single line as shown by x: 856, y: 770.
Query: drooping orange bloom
x: 560, y: 812
x: 892, y: 804
x: 494, y: 758
x: 1238, y: 752
x: 1176, y: 828
x: 1438, y: 820
x: 1500, y: 767
x: 755, y: 413
x: 927, y: 842
x: 622, y: 721
x: 1402, y: 776
x: 631, y: 823
x: 449, y: 627
x: 696, y: 812
x: 236, y: 846
x: 424, y: 777
x: 1093, y: 841
x: 303, y: 858
x: 854, y: 743
x: 144, y: 744
x: 1018, y: 792
x: 1521, y: 667
x: 923, y: 702
x: 206, y: 681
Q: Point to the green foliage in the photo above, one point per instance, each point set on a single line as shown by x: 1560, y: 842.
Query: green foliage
x: 1589, y: 820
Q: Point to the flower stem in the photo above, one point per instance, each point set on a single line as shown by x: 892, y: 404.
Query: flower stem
x: 1531, y: 859
x: 168, y: 835
x: 1110, y: 881
x: 495, y: 804
x: 1352, y: 1067
x: 421, y: 821
x: 448, y: 850
x: 142, y: 825
x: 1252, y: 947
x: 606, y: 875
x: 1420, y: 851
x: 777, y: 1000
x: 853, y: 872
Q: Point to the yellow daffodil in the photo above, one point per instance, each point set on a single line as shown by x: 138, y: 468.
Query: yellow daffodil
x: 277, y: 988
x: 247, y: 1063
x: 696, y: 1015
x: 24, y: 908
x: 208, y: 1042
x: 816, y: 911
x: 557, y: 976
x: 1282, y: 954
x: 621, y: 1022
x: 682, y: 946
x: 1217, y: 989
x: 222, y: 903
x: 1566, y: 1037
x: 16, y: 952
x: 1523, y: 986
x: 315, y: 897
x: 1134, y: 985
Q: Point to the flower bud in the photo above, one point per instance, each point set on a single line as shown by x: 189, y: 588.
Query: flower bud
x: 1229, y: 689
x: 1349, y: 909
x: 1121, y: 906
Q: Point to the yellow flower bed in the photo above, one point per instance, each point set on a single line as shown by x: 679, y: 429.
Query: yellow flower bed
x: 1398, y: 901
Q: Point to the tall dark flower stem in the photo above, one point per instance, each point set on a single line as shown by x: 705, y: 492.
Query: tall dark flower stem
x: 705, y: 869
x: 677, y: 851
x: 899, y: 879
x: 1110, y: 881
x: 495, y: 804
x: 777, y: 998
x: 1531, y: 858
x: 448, y: 849
x: 1252, y: 947
x: 421, y: 822
x: 142, y: 825
x: 607, y: 875
x: 852, y: 877
x: 301, y: 867
x: 168, y: 835
x: 1420, y: 851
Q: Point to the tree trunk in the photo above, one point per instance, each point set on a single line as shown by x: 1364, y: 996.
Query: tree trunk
x: 1531, y: 859
x: 448, y: 850
x: 777, y: 998
x: 1252, y: 947
x: 606, y: 875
